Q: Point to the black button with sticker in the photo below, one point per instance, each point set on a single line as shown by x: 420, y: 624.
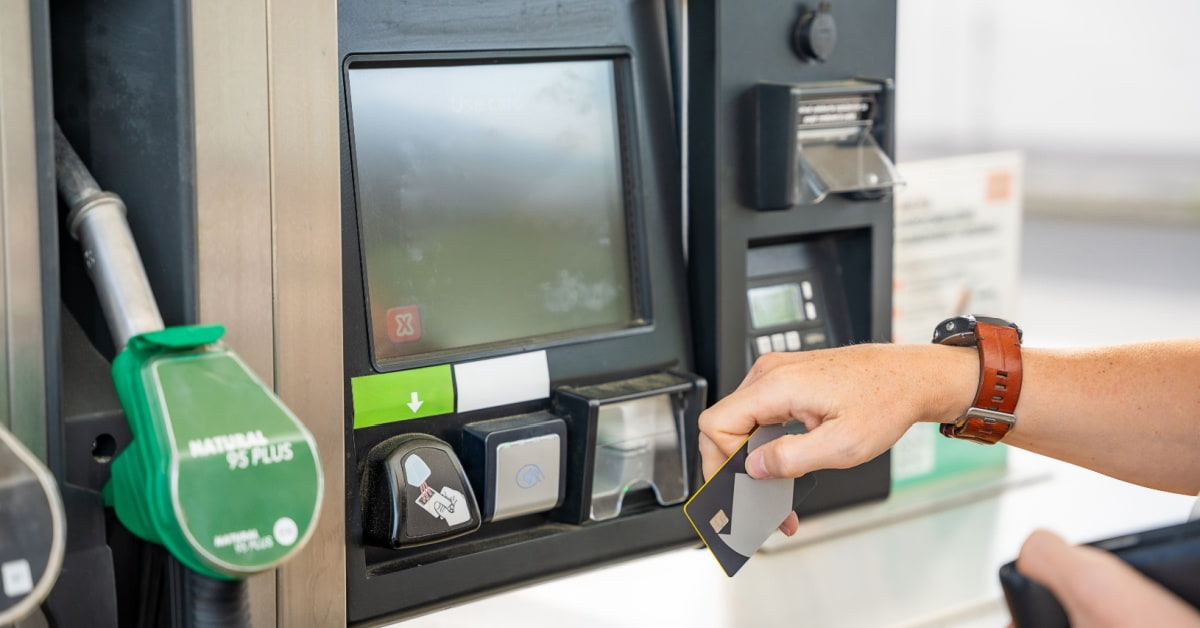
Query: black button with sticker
x: 415, y: 492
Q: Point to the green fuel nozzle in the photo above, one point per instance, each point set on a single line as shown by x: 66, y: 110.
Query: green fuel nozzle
x: 219, y: 470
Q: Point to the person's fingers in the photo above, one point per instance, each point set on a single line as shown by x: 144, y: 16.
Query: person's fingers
x: 729, y: 421
x: 834, y: 445
x: 790, y: 525
x: 711, y: 457
x: 1040, y: 555
x: 765, y: 363
x: 1097, y: 588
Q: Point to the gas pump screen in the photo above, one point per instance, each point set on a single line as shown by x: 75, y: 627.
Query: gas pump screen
x: 492, y: 203
x: 771, y: 306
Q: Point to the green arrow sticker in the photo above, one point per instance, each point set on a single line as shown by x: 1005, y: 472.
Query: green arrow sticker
x: 403, y: 395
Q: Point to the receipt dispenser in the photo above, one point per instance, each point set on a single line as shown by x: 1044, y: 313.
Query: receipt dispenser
x: 818, y: 139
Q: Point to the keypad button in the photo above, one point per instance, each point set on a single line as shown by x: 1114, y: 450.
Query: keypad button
x: 815, y: 340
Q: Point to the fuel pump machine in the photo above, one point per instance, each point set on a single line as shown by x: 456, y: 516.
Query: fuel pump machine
x: 790, y: 175
x: 519, y: 394
x: 505, y: 308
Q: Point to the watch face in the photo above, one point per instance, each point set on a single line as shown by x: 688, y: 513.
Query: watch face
x: 958, y: 331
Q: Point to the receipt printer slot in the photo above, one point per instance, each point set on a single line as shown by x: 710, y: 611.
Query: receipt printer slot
x: 820, y: 139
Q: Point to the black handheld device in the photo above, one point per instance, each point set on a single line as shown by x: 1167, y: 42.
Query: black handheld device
x: 1169, y: 556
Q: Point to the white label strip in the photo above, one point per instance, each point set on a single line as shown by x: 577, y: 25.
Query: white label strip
x: 501, y: 381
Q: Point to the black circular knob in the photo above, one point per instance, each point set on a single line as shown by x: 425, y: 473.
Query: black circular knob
x: 815, y: 34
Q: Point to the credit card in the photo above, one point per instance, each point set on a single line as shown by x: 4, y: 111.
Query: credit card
x: 734, y: 514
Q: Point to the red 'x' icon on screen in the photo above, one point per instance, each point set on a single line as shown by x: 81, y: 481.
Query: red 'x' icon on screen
x: 404, y: 323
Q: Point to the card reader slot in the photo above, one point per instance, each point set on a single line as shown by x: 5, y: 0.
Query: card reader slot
x: 625, y: 438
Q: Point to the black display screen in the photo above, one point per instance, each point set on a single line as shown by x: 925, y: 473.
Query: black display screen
x: 492, y: 203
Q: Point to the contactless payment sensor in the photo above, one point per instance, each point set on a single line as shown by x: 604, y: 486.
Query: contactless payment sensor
x: 518, y: 463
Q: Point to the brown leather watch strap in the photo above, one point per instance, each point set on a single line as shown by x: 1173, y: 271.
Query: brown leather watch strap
x: 999, y: 386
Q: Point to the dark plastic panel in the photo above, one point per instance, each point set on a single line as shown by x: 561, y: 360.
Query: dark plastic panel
x: 732, y: 50
x: 387, y: 584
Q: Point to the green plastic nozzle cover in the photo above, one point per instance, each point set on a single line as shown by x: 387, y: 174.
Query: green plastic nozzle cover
x: 219, y: 471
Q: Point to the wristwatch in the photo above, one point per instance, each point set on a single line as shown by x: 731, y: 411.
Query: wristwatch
x: 991, y: 416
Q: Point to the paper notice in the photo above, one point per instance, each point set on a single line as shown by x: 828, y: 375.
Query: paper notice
x: 957, y: 241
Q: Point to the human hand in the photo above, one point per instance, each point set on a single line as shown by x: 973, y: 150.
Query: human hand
x: 856, y: 402
x: 1098, y: 589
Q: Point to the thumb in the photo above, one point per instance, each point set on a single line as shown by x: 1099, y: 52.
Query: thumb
x: 1095, y: 586
x: 1043, y: 556
x: 793, y: 455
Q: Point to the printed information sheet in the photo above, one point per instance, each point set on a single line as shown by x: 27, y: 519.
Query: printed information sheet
x: 957, y: 241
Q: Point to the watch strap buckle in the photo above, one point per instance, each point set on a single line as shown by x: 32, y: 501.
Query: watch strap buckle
x: 980, y: 425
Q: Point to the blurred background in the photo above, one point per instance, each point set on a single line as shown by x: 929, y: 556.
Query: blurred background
x: 1099, y: 96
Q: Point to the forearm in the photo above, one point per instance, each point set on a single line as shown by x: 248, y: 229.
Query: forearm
x: 1131, y: 412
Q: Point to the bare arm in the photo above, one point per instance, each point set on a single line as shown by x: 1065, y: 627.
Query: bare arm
x: 1132, y: 412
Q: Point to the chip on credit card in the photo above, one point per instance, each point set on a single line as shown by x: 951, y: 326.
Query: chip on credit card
x: 734, y: 514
